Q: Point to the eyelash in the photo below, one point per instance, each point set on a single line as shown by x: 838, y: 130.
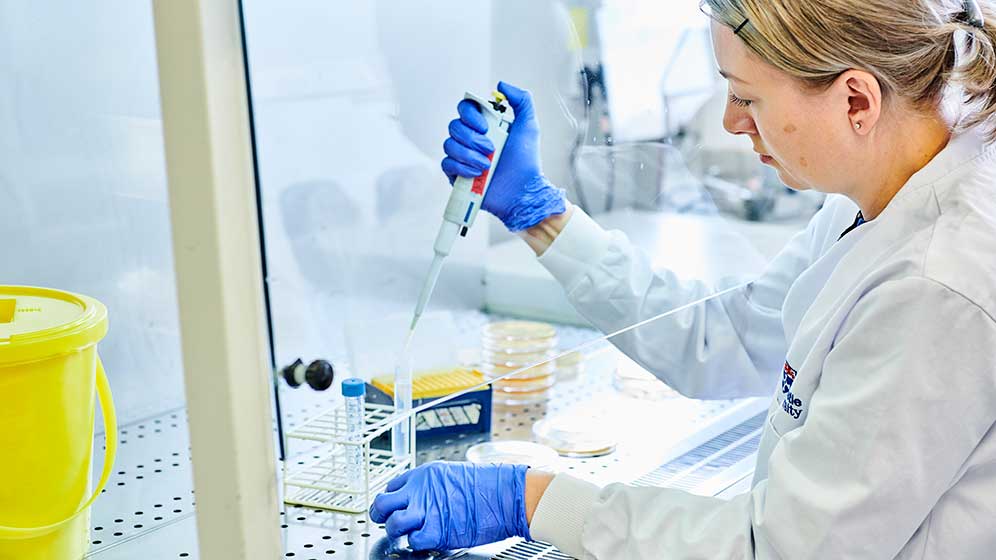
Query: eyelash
x: 739, y: 102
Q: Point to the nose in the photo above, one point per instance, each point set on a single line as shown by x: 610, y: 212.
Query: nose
x: 738, y: 120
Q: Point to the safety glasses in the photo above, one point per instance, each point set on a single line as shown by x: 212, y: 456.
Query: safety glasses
x: 706, y: 9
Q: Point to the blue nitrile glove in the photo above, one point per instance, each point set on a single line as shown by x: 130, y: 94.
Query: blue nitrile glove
x: 445, y: 505
x: 519, y: 195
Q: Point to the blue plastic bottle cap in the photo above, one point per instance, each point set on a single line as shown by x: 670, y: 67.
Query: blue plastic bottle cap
x: 353, y: 387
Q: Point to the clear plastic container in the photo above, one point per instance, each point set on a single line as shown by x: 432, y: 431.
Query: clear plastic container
x: 576, y: 435
x: 514, y: 453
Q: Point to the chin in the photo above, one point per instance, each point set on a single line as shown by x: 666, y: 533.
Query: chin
x: 791, y: 182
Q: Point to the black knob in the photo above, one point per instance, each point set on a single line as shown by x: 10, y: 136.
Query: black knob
x: 319, y: 375
x: 293, y: 374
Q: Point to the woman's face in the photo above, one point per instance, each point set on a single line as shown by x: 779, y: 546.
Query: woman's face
x: 802, y: 134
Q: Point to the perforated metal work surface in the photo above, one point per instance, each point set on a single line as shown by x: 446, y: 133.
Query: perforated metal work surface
x: 147, y: 510
x: 151, y: 487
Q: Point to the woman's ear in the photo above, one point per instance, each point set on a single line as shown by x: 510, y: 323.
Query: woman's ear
x: 864, y: 99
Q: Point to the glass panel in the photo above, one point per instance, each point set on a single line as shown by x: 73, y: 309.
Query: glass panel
x: 604, y: 420
x: 82, y: 170
x: 85, y: 209
x: 351, y: 105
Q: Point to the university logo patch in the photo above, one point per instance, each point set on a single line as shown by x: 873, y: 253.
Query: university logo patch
x: 788, y: 377
x: 790, y: 403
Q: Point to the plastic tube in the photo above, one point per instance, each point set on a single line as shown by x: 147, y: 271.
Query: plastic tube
x: 354, y: 392
x: 400, y: 433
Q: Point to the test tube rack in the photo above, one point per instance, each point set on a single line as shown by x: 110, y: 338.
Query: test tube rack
x: 321, y: 481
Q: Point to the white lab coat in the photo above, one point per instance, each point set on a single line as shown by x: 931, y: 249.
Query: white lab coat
x: 880, y: 348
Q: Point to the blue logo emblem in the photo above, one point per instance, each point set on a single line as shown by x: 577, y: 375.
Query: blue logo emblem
x: 790, y: 403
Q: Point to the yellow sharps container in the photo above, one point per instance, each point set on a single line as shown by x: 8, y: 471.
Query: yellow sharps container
x: 50, y: 375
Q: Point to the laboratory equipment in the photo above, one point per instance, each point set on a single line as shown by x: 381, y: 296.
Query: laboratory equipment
x: 576, y: 434
x: 469, y: 413
x: 461, y: 211
x: 402, y: 389
x: 522, y: 197
x: 318, y: 475
x: 511, y: 346
x: 353, y: 393
x: 50, y: 372
x: 467, y: 195
x: 527, y: 453
x: 319, y: 374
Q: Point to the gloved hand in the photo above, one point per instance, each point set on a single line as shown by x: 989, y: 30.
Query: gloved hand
x: 444, y: 505
x: 519, y: 195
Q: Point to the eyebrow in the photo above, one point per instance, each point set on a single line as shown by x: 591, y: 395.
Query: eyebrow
x: 729, y: 76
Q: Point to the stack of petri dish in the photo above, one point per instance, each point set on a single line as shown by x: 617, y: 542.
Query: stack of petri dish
x: 510, y: 346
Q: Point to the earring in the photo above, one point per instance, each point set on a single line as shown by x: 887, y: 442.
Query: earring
x: 857, y: 126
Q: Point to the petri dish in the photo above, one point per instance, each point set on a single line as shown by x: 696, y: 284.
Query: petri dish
x: 523, y: 351
x: 514, y: 453
x: 518, y: 337
x: 522, y: 398
x: 635, y: 382
x: 515, y: 384
x: 493, y: 371
x: 570, y: 365
x: 575, y: 435
x: 518, y: 330
x: 516, y: 360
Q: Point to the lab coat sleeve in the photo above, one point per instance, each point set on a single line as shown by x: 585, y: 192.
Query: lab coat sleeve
x: 906, y: 395
x: 727, y: 347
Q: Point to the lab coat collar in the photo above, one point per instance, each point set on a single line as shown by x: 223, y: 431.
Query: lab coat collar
x: 960, y: 153
x: 964, y: 151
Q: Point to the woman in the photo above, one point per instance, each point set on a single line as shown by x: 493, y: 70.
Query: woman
x: 874, y: 327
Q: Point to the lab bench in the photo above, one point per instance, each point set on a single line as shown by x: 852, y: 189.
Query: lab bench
x: 148, y: 508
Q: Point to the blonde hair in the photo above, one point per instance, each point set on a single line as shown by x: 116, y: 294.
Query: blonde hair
x: 913, y: 47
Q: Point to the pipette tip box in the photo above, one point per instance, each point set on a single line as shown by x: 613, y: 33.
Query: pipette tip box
x: 469, y: 413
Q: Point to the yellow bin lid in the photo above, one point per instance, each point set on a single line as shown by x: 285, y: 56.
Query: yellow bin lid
x: 36, y: 323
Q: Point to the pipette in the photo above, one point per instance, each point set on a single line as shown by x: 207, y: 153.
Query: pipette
x: 461, y: 211
x: 467, y: 195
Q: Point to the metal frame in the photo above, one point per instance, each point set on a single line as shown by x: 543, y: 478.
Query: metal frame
x: 207, y: 135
